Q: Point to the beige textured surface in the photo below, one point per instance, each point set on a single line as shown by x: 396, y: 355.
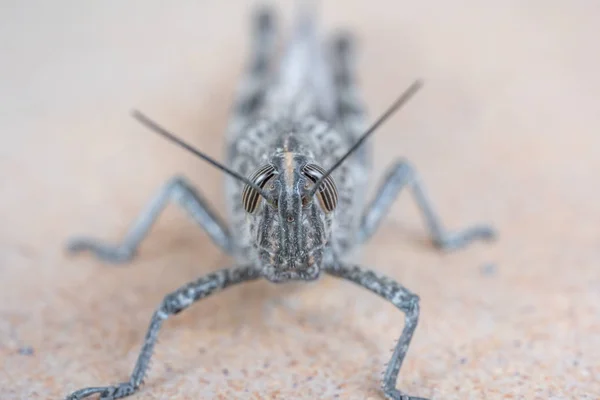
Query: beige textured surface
x: 507, y: 130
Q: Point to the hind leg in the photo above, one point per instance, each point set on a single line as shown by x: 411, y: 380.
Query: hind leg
x: 253, y: 85
x: 350, y: 110
x: 351, y: 116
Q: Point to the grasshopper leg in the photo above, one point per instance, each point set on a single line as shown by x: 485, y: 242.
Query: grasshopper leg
x: 172, y: 304
x: 401, y: 175
x: 177, y: 189
x: 254, y: 84
x: 400, y: 297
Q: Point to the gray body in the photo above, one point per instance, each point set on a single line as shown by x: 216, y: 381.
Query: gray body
x: 292, y: 121
x: 304, y: 109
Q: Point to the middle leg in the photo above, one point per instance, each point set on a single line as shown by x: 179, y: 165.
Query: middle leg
x: 400, y: 175
x: 177, y: 189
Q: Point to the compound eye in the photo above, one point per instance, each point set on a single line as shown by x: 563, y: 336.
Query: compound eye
x: 251, y: 199
x: 327, y: 193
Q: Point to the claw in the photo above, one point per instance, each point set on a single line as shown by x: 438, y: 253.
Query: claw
x: 106, y: 393
x: 111, y: 254
x: 457, y: 240
x: 82, y: 393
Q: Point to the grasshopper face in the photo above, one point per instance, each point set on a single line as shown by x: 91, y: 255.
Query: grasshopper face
x: 291, y: 229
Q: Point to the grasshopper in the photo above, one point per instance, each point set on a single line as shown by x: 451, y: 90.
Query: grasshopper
x: 297, y: 167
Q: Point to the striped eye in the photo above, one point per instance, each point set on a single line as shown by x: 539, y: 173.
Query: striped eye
x: 250, y: 197
x: 327, y: 193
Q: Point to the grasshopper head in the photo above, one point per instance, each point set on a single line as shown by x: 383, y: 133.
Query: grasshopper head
x: 293, y: 226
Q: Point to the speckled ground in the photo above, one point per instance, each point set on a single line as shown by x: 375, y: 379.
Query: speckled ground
x: 506, y: 131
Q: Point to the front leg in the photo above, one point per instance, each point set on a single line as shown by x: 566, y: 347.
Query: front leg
x: 402, y: 174
x: 402, y: 298
x: 172, y: 304
x: 176, y: 189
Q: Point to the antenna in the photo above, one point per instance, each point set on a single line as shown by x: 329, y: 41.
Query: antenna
x: 153, y: 126
x: 404, y: 97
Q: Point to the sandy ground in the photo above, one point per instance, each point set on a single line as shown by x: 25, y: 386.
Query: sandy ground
x: 505, y: 131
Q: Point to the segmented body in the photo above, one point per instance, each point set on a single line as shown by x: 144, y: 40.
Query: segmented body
x: 303, y: 111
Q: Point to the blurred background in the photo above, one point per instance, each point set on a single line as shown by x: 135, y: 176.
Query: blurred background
x: 505, y: 131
